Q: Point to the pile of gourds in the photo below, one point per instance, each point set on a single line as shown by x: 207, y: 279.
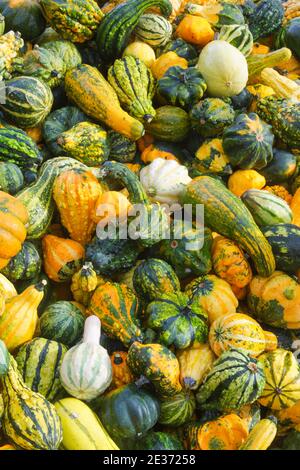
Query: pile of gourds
x: 186, y: 341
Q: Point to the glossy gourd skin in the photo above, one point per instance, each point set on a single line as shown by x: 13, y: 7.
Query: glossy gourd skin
x: 153, y: 29
x: 117, y: 307
x: 84, y: 283
x: 25, y: 265
x: 120, y: 369
x: 284, y: 240
x: 266, y: 208
x: 266, y: 18
x: 281, y: 167
x: 211, y: 158
x: 171, y: 124
x: 211, y: 116
x: 24, y: 16
x: 236, y: 222
x: 177, y: 410
x: 158, y: 364
x: 225, y: 433
x: 89, y: 90
x: 115, y: 29
x: 62, y: 257
x: 238, y: 36
x: 262, y: 435
x: 11, y: 178
x: 195, y: 362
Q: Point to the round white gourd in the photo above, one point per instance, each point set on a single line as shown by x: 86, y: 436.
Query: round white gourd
x: 86, y: 370
x: 224, y: 68
x: 164, y: 180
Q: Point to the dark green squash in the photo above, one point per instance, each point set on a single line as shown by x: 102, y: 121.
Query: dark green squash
x: 242, y: 101
x: 62, y: 321
x: 122, y: 149
x: 291, y: 441
x: 171, y: 124
x: 59, y: 121
x: 178, y: 320
x: 285, y: 242
x: 181, y: 87
x: 266, y: 18
x: 266, y: 208
x: 159, y: 441
x: 289, y: 36
x: 25, y: 265
x: 115, y: 29
x: 154, y: 277
x: 282, y: 167
x: 24, y: 16
x: 211, y: 159
x: 11, y: 178
x: 248, y: 142
x: 188, y: 250
x: 235, y: 380
x: 178, y: 410
x: 211, y: 116
x: 128, y: 412
x: 182, y: 49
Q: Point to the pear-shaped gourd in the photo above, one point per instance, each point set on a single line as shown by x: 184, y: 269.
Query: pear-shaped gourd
x: 29, y: 421
x: 19, y: 319
x: 86, y: 369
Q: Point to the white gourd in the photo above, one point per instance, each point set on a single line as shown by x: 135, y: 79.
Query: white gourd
x: 86, y: 370
x: 164, y: 180
x: 224, y: 68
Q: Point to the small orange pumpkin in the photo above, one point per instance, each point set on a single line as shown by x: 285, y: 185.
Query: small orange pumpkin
x: 62, y: 257
x: 111, y: 204
x: 165, y: 61
x: 225, y: 433
x: 13, y: 218
x: 121, y: 372
x: 152, y: 152
x: 242, y: 180
x: 75, y: 193
x: 195, y: 30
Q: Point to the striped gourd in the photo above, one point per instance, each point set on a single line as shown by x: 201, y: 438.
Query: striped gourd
x: 62, y: 321
x: 266, y: 208
x: 178, y: 409
x: 154, y: 30
x: 235, y: 380
x: 37, y: 198
x: 133, y: 83
x: 237, y: 331
x: 82, y: 430
x: 262, y: 435
x: 86, y: 370
x: 39, y: 362
x: 195, y: 363
x: 17, y: 147
x: 282, y: 389
x: 122, y: 149
x: 29, y: 421
x: 239, y: 36
x: 285, y: 242
x: 28, y: 101
x: 25, y: 265
x: 11, y: 178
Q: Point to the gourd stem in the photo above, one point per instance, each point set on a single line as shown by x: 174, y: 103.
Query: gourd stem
x: 92, y: 330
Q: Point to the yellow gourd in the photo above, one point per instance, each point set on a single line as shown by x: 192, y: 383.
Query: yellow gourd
x: 165, y: 61
x: 283, y: 86
x: 295, y: 206
x: 7, y: 287
x: 242, y: 180
x: 262, y: 435
x: 195, y: 362
x: 141, y: 50
x: 195, y: 30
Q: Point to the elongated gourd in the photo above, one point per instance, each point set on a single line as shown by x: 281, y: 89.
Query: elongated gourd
x: 262, y: 435
x: 258, y: 62
x: 226, y: 214
x: 283, y: 86
x: 19, y: 319
x: 29, y: 420
x: 82, y: 430
x: 89, y: 90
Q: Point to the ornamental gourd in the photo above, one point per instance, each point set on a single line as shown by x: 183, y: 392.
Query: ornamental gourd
x: 242, y: 180
x: 153, y: 29
x: 195, y: 363
x: 225, y: 433
x: 19, y: 319
x: 177, y: 410
x: 25, y: 265
x: 211, y: 116
x: 86, y: 370
x: 121, y: 374
x: 262, y: 435
x: 284, y: 240
x: 14, y: 217
x: 7, y: 287
x: 227, y: 74
x: 11, y: 178
x: 267, y: 209
x: 62, y: 257
x: 238, y: 36
x: 164, y: 180
x: 195, y: 30
x: 75, y: 193
x: 141, y: 50
x: 84, y: 283
x: 211, y: 158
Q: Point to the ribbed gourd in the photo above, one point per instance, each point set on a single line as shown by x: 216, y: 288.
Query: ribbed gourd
x: 178, y: 410
x: 86, y: 370
x: 262, y: 435
x: 195, y: 363
x: 29, y: 421
x: 19, y: 319
x: 76, y: 192
x: 153, y: 29
x: 238, y: 36
x: 62, y: 257
x: 11, y: 178
x: 133, y: 83
x: 84, y: 283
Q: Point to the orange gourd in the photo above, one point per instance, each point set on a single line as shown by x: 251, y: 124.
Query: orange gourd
x: 242, y: 180
x: 121, y: 373
x: 19, y: 319
x: 195, y: 30
x: 62, y: 257
x: 110, y: 205
x: 280, y: 191
x: 75, y: 193
x: 295, y: 206
x: 225, y: 433
x: 152, y: 152
x: 165, y: 61
x: 13, y: 219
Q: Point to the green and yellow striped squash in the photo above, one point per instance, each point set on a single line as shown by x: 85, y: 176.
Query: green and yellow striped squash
x: 62, y: 321
x: 211, y: 158
x: 11, y: 178
x: 282, y: 388
x: 266, y: 208
x: 209, y: 117
x: 28, y: 101
x: 89, y: 90
x: 76, y: 20
x: 18, y: 148
x: 122, y: 149
x: 171, y: 124
x: 153, y: 29
x: 235, y: 380
x: 113, y: 36
x: 38, y: 199
x: 227, y: 215
x: 239, y: 36
x: 117, y: 307
x: 39, y: 362
x: 177, y: 410
x: 262, y: 435
x: 133, y: 83
x: 284, y: 239
x: 82, y: 430
x: 237, y: 331
x: 29, y: 421
x: 159, y: 441
x: 25, y: 265
x: 158, y: 364
x: 154, y: 277
x: 86, y: 142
